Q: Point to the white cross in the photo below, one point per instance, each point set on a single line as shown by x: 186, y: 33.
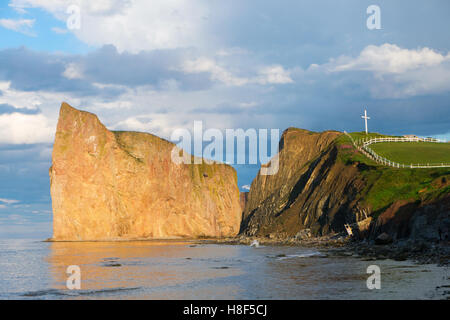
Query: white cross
x: 365, y: 117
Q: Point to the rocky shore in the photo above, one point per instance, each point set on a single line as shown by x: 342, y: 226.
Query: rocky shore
x: 422, y: 252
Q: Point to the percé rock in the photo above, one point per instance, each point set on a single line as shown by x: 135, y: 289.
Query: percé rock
x: 323, y: 183
x: 108, y: 185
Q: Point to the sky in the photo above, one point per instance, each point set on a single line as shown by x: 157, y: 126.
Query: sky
x: 159, y: 65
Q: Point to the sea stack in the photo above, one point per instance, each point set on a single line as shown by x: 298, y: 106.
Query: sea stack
x: 108, y: 185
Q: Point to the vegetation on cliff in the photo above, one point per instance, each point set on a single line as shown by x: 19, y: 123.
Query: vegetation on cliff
x: 385, y: 185
x: 324, y: 183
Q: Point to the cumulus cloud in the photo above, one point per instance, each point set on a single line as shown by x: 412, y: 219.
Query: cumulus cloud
x: 19, y: 25
x: 18, y: 128
x: 274, y: 74
x: 156, y: 24
x: 73, y: 71
x: 217, y: 72
x: 156, y: 68
x: 26, y: 102
x: 93, y: 73
x: 389, y: 58
x: 397, y: 72
x: 28, y: 70
x: 246, y: 187
x: 164, y: 124
x: 154, y: 123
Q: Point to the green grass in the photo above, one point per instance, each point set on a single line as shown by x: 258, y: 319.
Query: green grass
x: 413, y: 152
x: 385, y: 185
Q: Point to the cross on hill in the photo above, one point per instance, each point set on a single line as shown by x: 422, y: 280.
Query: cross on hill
x: 365, y: 117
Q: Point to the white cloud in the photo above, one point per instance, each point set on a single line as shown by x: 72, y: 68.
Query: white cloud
x: 73, y: 71
x: 155, y: 24
x: 9, y: 201
x: 274, y: 74
x: 389, y: 58
x: 20, y: 25
x: 140, y: 123
x: 217, y: 73
x: 163, y: 125
x: 246, y: 187
x: 18, y: 128
x: 397, y: 72
x: 47, y: 102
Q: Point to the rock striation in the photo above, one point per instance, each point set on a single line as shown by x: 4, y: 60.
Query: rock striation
x: 310, y: 189
x: 324, y: 183
x: 108, y: 185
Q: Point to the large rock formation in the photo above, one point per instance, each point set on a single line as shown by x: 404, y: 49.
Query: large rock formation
x: 308, y: 188
x: 323, y: 182
x: 124, y: 185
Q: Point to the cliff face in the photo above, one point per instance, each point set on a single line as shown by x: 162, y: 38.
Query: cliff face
x: 310, y: 190
x: 123, y: 185
x: 324, y: 183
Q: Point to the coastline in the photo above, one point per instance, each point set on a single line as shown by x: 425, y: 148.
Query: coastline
x: 418, y: 251
x: 422, y: 252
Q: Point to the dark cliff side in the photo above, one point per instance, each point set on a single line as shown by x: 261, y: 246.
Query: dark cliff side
x: 323, y: 182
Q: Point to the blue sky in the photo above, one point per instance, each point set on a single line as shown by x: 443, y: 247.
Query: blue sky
x: 160, y: 65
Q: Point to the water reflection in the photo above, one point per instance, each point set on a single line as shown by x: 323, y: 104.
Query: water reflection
x: 185, y: 270
x: 151, y: 269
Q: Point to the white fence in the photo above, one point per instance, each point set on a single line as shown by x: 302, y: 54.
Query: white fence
x: 363, y: 146
x: 369, y: 141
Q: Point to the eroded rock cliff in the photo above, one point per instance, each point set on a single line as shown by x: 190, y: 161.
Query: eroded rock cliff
x: 123, y: 185
x: 310, y: 190
x: 323, y: 182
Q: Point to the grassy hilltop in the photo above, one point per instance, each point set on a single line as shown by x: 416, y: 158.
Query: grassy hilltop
x: 324, y: 182
x: 413, y: 152
x: 385, y: 185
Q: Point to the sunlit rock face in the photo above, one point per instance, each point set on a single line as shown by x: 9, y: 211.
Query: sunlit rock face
x: 109, y: 185
x: 312, y: 190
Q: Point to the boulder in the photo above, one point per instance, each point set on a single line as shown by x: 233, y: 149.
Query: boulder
x: 303, y: 234
x: 383, y: 238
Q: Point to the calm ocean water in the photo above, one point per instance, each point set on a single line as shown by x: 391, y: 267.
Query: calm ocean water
x: 184, y: 270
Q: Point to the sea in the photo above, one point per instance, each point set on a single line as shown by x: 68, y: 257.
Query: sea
x: 33, y: 269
